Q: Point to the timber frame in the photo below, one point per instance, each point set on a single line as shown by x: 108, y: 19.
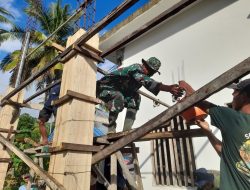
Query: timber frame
x: 112, y: 145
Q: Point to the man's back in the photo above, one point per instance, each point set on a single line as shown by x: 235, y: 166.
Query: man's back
x: 235, y: 157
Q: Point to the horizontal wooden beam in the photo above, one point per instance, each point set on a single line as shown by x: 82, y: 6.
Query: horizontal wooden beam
x: 130, y: 150
x: 152, y: 136
x: 58, y: 47
x: 5, y: 160
x: 204, y: 92
x: 75, y: 147
x: 50, y: 181
x: 84, y: 97
x: 82, y: 50
x: 34, y: 106
x: 2, y: 130
x: 71, y: 94
x: 42, y: 91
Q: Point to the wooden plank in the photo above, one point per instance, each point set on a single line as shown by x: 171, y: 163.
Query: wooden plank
x: 183, y: 160
x: 43, y: 154
x: 177, y: 8
x: 101, y: 177
x: 160, y: 164
x: 113, y: 172
x: 5, y: 160
x: 84, y: 97
x: 9, y: 116
x: 85, y: 52
x: 62, y: 100
x: 173, y: 127
x: 75, y: 121
x: 91, y: 48
x: 21, y: 105
x: 158, y: 135
x: 50, y: 181
x: 30, y: 151
x: 2, y: 130
x: 125, y: 171
x: 137, y: 168
x: 129, y: 150
x: 192, y: 160
x: 154, y: 162
x: 58, y: 47
x: 172, y: 159
x: 71, y: 94
x: 204, y: 92
x: 191, y: 171
x: 166, y: 159
x: 75, y: 147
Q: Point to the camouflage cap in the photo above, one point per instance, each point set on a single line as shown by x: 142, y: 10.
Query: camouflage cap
x: 153, y: 63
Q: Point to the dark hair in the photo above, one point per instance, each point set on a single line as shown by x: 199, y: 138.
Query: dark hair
x: 246, y: 90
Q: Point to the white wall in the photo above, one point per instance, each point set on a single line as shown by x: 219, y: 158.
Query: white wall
x: 198, y: 45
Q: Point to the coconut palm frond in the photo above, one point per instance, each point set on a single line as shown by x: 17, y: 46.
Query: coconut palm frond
x: 14, y: 33
x: 4, y: 12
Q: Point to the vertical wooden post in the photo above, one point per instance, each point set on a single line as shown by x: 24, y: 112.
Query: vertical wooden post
x: 113, y: 172
x: 9, y: 116
x: 75, y: 120
x: 137, y: 168
x: 125, y: 171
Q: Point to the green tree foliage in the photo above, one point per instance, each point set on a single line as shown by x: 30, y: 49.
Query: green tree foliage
x: 28, y: 127
x: 48, y: 20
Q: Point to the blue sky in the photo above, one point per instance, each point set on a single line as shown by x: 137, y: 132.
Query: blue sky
x: 103, y: 7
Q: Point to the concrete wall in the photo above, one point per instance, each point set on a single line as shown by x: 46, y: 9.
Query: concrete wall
x: 197, y: 45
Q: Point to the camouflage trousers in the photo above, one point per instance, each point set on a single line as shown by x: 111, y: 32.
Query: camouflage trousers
x: 115, y: 102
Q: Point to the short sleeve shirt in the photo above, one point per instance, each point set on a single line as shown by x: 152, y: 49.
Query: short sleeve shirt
x: 235, y: 156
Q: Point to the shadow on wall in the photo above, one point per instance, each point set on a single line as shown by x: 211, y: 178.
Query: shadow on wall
x: 189, y: 17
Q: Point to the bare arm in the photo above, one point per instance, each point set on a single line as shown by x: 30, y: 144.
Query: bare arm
x: 173, y: 89
x: 216, y: 143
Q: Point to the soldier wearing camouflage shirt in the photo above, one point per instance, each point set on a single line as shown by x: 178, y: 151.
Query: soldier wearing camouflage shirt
x: 119, y: 89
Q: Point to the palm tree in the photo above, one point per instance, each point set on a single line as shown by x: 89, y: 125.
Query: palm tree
x: 49, y: 19
x: 5, y: 15
x: 14, y: 32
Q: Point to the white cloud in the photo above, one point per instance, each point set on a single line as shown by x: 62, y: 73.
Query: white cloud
x: 5, y: 26
x: 10, y: 46
x: 9, y: 6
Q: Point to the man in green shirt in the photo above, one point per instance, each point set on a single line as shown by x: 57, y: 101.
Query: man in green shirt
x: 119, y: 89
x: 234, y: 124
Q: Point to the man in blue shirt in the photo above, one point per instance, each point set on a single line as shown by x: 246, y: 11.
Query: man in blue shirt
x: 47, y: 111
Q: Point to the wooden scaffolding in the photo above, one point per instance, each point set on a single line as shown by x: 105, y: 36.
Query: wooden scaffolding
x: 74, y: 151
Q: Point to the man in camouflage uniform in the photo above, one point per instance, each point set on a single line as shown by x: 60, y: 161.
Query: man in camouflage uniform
x: 119, y: 89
